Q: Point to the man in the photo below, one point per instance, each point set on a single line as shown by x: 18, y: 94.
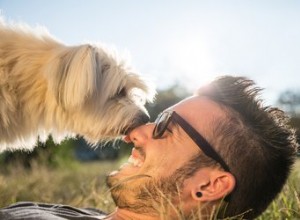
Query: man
x: 218, y: 153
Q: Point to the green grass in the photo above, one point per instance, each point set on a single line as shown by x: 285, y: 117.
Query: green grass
x: 83, y: 185
x: 287, y: 204
x: 80, y: 185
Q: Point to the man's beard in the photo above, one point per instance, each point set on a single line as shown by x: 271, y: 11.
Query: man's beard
x: 144, y: 194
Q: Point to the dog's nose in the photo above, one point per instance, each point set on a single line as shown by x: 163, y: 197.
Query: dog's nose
x: 140, y: 119
x: 144, y: 118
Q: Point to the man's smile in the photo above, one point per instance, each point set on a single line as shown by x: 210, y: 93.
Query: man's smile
x: 135, y: 162
x: 137, y: 157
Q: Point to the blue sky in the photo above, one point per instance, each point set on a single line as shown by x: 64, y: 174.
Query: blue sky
x: 190, y: 42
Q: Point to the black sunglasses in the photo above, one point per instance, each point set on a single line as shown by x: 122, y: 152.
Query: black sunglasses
x: 161, y: 125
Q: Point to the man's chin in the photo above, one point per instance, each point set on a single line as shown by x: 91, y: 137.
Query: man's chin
x: 115, y: 179
x: 112, y: 179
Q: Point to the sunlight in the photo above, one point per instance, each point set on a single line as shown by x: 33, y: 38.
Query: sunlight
x: 191, y: 61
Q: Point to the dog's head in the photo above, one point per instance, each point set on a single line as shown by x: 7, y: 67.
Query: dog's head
x: 103, y: 97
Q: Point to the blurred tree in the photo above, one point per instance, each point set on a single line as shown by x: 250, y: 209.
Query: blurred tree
x: 166, y: 98
x: 48, y: 154
x: 290, y: 101
x: 103, y: 151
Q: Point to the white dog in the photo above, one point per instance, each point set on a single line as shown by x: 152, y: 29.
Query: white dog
x: 47, y: 88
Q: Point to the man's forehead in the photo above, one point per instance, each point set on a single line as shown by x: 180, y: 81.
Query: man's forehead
x: 197, y: 103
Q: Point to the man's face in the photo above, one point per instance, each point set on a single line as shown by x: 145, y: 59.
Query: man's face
x: 155, y: 164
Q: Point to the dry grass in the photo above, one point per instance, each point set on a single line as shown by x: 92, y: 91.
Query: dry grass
x: 83, y: 185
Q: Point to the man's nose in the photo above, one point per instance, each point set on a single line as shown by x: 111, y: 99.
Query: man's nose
x: 140, y: 135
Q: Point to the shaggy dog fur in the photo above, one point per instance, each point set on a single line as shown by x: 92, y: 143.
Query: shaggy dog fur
x: 47, y: 88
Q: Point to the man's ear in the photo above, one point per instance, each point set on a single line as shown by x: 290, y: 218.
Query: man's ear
x: 211, y: 184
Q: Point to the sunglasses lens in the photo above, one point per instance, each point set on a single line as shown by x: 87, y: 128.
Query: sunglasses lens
x: 160, y: 125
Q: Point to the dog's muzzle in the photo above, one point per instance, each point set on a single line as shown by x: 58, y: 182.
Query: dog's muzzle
x: 141, y: 119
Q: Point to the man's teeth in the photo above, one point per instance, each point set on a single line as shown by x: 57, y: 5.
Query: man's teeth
x: 135, y: 162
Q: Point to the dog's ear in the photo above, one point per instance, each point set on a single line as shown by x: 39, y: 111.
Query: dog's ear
x: 71, y: 75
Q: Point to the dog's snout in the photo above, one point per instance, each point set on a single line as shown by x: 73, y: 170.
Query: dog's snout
x: 140, y: 119
x: 144, y: 118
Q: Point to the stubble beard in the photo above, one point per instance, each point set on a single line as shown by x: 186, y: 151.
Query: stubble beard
x: 144, y: 194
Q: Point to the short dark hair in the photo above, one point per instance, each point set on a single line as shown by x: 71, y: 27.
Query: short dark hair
x: 255, y: 141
